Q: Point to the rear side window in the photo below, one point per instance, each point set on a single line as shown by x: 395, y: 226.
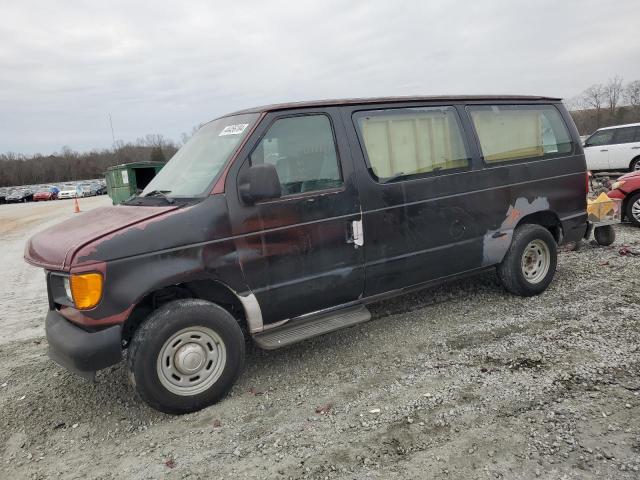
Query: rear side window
x: 516, y: 132
x: 303, y: 150
x: 410, y: 142
x: 626, y: 135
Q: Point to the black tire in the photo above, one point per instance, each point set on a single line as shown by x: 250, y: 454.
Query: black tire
x: 605, y: 235
x: 152, y: 336
x: 635, y: 198
x: 510, y: 270
x: 635, y: 164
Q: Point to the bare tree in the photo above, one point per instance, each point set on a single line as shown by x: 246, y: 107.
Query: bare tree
x: 613, y: 91
x: 631, y: 95
x: 575, y: 103
x: 594, y: 97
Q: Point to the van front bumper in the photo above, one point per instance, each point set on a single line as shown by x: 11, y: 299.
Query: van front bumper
x: 80, y: 351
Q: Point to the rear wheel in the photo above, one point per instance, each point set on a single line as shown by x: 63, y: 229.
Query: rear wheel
x: 633, y: 209
x: 530, y: 263
x: 186, y: 356
x: 635, y: 164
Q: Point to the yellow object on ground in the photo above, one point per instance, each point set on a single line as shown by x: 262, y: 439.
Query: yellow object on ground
x: 601, y: 208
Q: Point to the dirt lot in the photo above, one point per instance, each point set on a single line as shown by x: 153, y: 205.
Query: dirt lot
x: 462, y: 381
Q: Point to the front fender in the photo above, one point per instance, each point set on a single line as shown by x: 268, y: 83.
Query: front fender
x: 128, y: 281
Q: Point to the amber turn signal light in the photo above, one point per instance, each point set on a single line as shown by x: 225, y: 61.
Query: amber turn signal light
x: 86, y: 289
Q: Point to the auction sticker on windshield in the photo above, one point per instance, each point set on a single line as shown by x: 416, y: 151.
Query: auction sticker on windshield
x: 233, y: 129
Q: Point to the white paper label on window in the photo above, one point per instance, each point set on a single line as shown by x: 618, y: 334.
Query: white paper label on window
x: 233, y: 129
x: 125, y: 177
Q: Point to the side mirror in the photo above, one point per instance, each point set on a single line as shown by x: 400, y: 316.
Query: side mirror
x: 260, y: 182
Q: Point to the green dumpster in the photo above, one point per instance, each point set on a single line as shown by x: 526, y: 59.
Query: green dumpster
x: 129, y: 179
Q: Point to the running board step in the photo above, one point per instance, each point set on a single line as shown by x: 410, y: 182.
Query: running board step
x: 300, y: 329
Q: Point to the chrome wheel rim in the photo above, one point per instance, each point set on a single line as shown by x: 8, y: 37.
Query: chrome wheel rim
x: 191, y: 360
x: 636, y: 165
x: 635, y: 210
x: 536, y: 260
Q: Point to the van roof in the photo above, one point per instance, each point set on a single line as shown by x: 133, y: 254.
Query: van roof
x: 366, y: 101
x: 620, y: 126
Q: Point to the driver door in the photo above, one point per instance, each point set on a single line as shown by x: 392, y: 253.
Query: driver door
x: 297, y: 252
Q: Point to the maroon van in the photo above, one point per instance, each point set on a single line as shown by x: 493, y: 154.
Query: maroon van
x: 280, y: 223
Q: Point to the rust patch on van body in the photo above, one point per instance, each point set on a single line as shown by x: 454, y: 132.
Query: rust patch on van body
x: 496, y: 242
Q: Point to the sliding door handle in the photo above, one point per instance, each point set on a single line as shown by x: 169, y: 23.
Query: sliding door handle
x: 355, y: 234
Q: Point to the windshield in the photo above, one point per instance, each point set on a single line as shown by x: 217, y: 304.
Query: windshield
x: 193, y: 168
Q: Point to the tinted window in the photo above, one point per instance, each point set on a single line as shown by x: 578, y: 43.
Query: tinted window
x: 514, y: 132
x: 603, y: 137
x: 625, y: 135
x: 412, y: 141
x: 304, y: 153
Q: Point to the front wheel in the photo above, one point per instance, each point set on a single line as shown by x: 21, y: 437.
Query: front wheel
x: 530, y: 263
x: 186, y: 356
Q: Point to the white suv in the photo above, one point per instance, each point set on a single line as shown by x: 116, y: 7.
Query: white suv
x: 614, y: 148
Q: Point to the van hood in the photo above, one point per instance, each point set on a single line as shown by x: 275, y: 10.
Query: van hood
x: 55, y: 247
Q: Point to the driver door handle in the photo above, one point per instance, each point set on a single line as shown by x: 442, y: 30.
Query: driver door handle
x: 605, y: 150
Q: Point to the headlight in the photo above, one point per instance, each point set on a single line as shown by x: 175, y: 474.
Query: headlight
x: 86, y: 289
x: 617, y: 185
x: 67, y: 288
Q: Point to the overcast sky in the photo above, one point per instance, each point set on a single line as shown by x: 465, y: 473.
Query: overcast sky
x: 164, y: 67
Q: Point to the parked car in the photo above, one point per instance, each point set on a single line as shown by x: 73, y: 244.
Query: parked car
x: 68, y: 192
x: 627, y: 189
x: 50, y: 193
x: 267, y: 222
x: 20, y: 195
x: 86, y: 190
x: 614, y: 148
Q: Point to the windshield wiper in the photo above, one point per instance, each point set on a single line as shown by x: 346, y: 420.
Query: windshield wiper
x: 161, y: 193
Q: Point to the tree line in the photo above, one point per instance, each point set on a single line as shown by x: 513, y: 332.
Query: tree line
x: 606, y: 104
x: 66, y: 165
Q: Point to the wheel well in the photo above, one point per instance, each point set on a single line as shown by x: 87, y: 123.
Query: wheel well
x: 547, y: 219
x: 209, y: 290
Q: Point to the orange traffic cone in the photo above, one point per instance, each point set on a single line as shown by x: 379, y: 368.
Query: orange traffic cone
x: 76, y: 207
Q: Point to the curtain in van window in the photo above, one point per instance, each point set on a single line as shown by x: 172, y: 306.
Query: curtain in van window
x: 512, y: 132
x: 412, y: 141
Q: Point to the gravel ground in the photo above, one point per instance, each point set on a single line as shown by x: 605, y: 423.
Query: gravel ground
x: 460, y: 381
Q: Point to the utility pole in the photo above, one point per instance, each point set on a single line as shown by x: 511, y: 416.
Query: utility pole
x: 113, y: 137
